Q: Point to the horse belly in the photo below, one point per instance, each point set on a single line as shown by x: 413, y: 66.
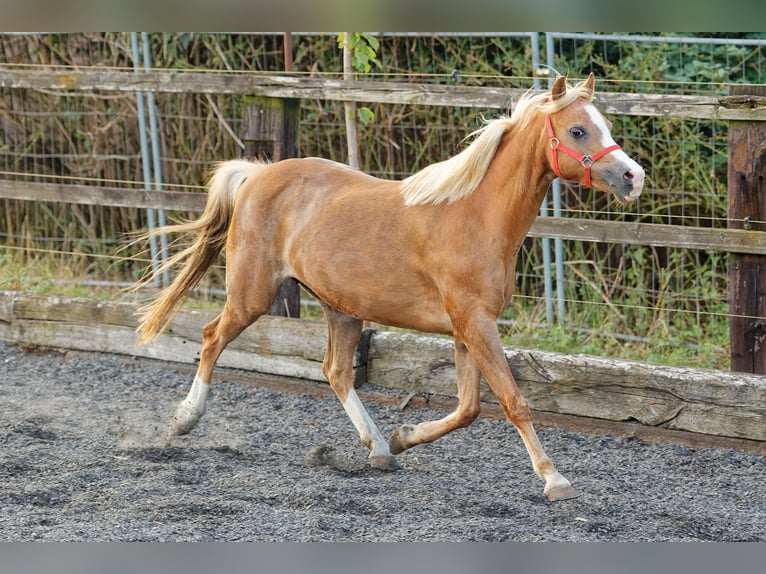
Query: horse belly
x: 384, y: 289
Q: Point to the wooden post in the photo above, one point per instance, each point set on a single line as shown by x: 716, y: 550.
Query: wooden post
x: 270, y: 132
x: 747, y: 210
x: 352, y: 133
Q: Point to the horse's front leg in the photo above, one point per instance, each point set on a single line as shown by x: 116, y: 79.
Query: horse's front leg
x: 469, y: 405
x: 483, y: 342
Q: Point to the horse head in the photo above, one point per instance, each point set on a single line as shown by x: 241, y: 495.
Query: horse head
x: 582, y: 148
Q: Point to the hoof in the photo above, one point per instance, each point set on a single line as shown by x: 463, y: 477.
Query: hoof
x: 384, y: 462
x: 395, y: 444
x: 185, y: 420
x: 178, y: 429
x: 398, y: 444
x: 561, y: 492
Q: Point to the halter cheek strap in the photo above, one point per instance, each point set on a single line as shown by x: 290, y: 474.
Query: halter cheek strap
x: 585, y: 160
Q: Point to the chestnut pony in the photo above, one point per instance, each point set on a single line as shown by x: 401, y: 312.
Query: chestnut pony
x: 435, y: 252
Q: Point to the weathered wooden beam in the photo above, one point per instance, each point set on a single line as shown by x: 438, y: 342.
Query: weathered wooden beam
x: 682, y: 106
x: 270, y: 128
x: 287, y: 347
x: 256, y: 84
x: 652, y: 234
x: 697, y: 400
x: 105, y: 196
x: 752, y: 108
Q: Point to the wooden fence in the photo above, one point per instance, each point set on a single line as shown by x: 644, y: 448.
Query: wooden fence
x: 745, y: 109
x: 741, y: 108
x: 710, y: 402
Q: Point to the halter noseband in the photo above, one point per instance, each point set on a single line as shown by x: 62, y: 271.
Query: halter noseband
x: 585, y: 160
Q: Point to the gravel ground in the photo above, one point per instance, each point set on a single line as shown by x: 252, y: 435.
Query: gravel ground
x: 85, y: 456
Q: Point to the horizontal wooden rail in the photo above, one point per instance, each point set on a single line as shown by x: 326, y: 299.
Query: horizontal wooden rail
x: 106, y: 196
x: 727, y: 240
x: 652, y: 234
x: 306, y: 87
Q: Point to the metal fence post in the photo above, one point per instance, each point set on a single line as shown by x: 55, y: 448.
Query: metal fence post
x: 156, y: 159
x: 557, y: 212
x: 151, y: 214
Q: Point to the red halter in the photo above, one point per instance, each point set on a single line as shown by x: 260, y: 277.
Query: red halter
x: 585, y: 160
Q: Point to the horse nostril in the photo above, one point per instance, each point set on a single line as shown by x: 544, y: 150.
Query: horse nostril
x: 633, y: 179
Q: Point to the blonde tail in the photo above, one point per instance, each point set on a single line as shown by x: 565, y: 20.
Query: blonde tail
x: 211, y: 230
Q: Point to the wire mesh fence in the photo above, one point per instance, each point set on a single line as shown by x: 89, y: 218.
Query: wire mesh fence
x: 674, y: 297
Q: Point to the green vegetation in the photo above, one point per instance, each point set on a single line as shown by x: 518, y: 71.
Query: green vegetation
x: 46, y: 275
x: 681, y: 321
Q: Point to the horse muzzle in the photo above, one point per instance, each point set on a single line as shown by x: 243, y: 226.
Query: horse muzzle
x: 628, y: 185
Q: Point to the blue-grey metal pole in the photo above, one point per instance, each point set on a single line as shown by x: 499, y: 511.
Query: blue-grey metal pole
x: 558, y: 243
x: 547, y: 279
x: 546, y: 242
x: 145, y: 160
x: 156, y: 161
x: 535, y: 40
x: 558, y: 247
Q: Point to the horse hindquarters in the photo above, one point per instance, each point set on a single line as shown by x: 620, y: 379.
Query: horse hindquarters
x: 252, y: 282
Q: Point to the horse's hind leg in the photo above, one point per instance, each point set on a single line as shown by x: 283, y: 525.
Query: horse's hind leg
x: 215, y: 336
x: 469, y: 405
x: 250, y: 288
x: 343, y: 337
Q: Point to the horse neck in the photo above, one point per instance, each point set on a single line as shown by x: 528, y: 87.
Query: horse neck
x: 517, y: 181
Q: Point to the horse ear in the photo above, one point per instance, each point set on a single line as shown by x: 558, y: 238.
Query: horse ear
x: 559, y: 88
x: 590, y: 83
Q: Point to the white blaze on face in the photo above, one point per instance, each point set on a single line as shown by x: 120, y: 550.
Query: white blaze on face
x: 636, y: 171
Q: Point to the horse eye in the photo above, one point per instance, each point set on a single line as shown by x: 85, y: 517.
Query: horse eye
x: 577, y: 132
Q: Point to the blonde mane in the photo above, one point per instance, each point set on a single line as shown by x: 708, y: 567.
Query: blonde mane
x: 457, y: 177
